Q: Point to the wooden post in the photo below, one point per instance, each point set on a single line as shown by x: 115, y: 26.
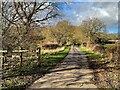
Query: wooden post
x: 39, y: 56
x: 21, y: 55
x: 21, y: 60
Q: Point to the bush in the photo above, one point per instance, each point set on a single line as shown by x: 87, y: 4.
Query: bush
x: 108, y: 50
x: 51, y: 46
x: 99, y: 48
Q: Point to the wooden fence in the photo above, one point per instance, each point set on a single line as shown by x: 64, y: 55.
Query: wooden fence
x: 16, y: 53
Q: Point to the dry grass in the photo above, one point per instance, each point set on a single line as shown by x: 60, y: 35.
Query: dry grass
x: 53, y: 50
x: 18, y: 78
x: 106, y: 69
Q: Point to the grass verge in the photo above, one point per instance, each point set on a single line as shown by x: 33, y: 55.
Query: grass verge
x: 106, y: 72
x: 91, y: 54
x: 19, y: 78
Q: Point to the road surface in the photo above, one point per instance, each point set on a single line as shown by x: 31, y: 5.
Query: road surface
x: 73, y: 72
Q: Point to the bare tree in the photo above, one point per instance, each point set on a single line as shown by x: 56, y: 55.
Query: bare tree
x: 25, y: 16
x: 92, y: 27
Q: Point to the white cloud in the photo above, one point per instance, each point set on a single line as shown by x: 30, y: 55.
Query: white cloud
x: 77, y: 15
x: 106, y: 11
x: 103, y: 12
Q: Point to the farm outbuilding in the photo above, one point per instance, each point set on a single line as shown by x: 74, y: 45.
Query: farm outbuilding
x: 113, y: 41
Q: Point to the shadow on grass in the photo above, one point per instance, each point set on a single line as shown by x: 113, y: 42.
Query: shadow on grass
x: 92, y: 55
x: 21, y: 87
x: 95, y: 60
x: 32, y: 69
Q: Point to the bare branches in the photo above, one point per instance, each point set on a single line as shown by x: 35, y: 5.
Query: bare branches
x: 25, y: 16
x: 27, y: 11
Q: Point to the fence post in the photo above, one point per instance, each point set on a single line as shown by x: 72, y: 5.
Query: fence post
x: 39, y: 56
x: 21, y: 60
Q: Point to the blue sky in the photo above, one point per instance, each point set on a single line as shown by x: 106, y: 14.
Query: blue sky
x: 75, y: 12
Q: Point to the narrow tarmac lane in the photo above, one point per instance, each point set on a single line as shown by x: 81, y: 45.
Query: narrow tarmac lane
x: 73, y: 72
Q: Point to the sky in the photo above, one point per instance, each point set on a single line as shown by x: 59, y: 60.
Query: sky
x: 77, y: 10
x: 107, y: 12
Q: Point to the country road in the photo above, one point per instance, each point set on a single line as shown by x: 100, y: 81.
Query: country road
x: 73, y: 72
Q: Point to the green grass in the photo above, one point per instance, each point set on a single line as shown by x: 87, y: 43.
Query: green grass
x: 18, y: 78
x: 110, y: 46
x: 106, y: 68
x: 51, y: 60
x: 91, y: 54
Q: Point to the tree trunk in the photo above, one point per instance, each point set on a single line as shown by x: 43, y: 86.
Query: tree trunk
x: 118, y: 52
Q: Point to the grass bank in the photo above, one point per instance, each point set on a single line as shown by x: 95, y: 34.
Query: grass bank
x: 91, y: 54
x: 111, y: 46
x: 106, y: 72
x: 19, y: 78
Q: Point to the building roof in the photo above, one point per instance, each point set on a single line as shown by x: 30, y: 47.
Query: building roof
x: 114, y: 40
